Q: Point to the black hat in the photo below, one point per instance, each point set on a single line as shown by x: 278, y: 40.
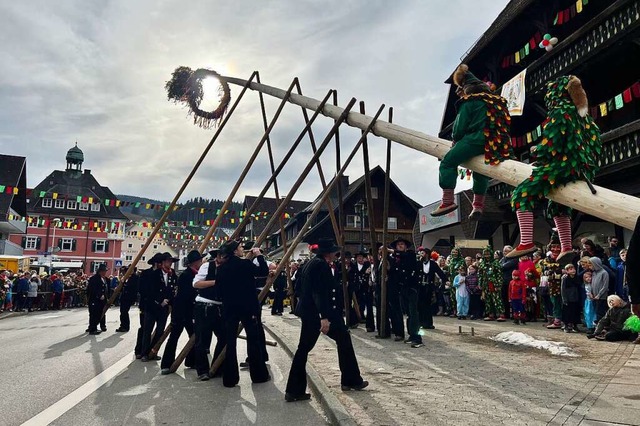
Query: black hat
x: 248, y: 245
x: 193, y: 256
x: 214, y: 252
x: 102, y: 267
x: 326, y: 245
x: 168, y: 256
x: 362, y: 253
x: 404, y: 240
x: 157, y: 258
x: 347, y: 254
x: 229, y: 247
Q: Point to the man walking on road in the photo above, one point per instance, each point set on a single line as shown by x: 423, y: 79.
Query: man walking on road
x: 320, y: 314
x: 96, y: 296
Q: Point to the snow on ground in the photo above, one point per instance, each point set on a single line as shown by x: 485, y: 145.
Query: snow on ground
x: 517, y: 338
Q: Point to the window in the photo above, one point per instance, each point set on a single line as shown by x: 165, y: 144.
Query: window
x: 31, y: 243
x: 155, y: 246
x: 100, y: 246
x: 130, y: 245
x: 59, y: 204
x: 33, y: 222
x: 72, y: 205
x: 353, y: 221
x: 144, y: 258
x: 95, y: 265
x: 47, y: 203
x: 374, y: 193
x: 392, y: 223
x: 67, y: 244
x: 95, y: 207
x: 83, y: 207
x: 129, y: 258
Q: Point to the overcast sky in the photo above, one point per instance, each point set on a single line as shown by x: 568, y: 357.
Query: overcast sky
x: 94, y: 72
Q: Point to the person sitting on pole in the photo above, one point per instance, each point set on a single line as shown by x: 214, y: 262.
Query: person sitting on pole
x: 320, y: 314
x: 481, y: 127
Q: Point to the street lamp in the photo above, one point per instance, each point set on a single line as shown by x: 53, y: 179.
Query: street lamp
x: 360, y: 208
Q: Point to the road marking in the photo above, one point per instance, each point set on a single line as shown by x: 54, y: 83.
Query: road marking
x: 56, y: 410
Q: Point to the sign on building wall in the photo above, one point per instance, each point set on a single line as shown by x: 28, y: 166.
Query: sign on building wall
x: 514, y: 92
x: 429, y: 223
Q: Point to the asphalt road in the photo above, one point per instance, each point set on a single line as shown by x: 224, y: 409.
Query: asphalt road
x: 52, y: 369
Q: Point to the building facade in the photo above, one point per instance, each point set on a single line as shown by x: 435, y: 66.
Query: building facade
x: 597, y: 41
x: 136, y: 235
x: 72, y: 220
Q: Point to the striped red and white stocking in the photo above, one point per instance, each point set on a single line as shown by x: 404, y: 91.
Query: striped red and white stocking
x: 447, y: 197
x: 563, y: 224
x: 525, y: 223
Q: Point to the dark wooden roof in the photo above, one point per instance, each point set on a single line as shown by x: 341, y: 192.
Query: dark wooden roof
x: 69, y: 185
x: 13, y: 172
x: 269, y: 205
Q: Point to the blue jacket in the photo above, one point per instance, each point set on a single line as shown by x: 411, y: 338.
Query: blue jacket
x: 57, y: 286
x: 23, y: 285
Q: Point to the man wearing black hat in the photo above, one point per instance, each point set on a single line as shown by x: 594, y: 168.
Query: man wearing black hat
x: 260, y: 282
x: 127, y: 298
x: 320, y: 314
x: 96, y: 297
x: 426, y: 271
x: 403, y: 288
x: 236, y: 281
x: 359, y: 275
x: 144, y: 284
x: 182, y: 312
x: 162, y: 284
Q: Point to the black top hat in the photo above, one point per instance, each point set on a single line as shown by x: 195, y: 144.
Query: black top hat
x: 168, y: 256
x: 157, y: 258
x: 404, y: 240
x: 248, y: 245
x: 326, y: 245
x: 229, y: 247
x: 102, y: 267
x: 193, y: 256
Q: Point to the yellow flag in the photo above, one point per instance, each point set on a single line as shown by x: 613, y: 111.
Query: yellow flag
x: 579, y: 6
x: 55, y: 196
x: 603, y: 109
x: 517, y: 57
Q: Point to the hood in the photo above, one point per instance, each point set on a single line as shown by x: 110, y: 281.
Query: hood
x: 566, y: 92
x: 597, y: 263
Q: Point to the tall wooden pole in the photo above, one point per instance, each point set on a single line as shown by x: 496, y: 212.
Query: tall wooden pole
x: 367, y: 187
x: 385, y: 229
x: 576, y: 195
x: 173, y: 203
x: 218, y: 361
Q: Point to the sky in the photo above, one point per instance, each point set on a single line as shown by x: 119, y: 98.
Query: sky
x: 94, y: 73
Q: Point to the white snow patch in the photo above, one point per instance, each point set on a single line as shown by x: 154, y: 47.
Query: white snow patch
x: 517, y: 338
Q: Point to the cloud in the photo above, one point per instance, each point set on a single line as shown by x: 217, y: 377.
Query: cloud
x: 95, y: 72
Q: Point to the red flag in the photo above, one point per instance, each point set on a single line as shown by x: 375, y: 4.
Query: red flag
x: 626, y: 95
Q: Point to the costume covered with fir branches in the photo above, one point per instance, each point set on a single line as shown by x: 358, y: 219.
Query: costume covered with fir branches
x: 567, y: 153
x: 481, y: 128
x: 490, y: 281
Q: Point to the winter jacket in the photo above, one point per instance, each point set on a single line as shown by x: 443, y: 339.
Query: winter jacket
x: 23, y: 285
x: 33, y: 288
x: 570, y: 289
x: 517, y: 290
x: 599, y: 279
x: 58, y: 287
x: 614, y: 319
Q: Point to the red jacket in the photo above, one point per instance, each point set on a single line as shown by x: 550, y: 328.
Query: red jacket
x: 517, y: 290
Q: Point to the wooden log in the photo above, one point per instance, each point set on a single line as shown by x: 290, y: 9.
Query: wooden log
x: 158, y: 345
x: 576, y: 195
x: 382, y: 332
x: 267, y: 341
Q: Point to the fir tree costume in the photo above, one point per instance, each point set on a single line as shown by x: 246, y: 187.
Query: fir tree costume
x: 567, y: 153
x: 490, y: 281
x: 481, y: 128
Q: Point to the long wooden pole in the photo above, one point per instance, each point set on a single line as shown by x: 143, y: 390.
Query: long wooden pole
x: 385, y: 229
x: 173, y: 203
x: 367, y: 187
x: 340, y: 233
x: 218, y: 361
x: 576, y: 195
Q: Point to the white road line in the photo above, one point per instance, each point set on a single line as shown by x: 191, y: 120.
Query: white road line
x: 56, y: 410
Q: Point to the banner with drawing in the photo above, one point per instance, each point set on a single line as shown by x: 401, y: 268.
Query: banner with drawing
x: 514, y: 92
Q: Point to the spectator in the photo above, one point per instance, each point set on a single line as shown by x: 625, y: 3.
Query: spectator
x: 614, y: 252
x: 570, y: 289
x: 476, y: 309
x: 589, y: 304
x: 57, y: 287
x: 34, y: 284
x: 23, y: 292
x: 611, y: 326
x: 599, y: 286
x: 622, y: 289
x: 508, y: 265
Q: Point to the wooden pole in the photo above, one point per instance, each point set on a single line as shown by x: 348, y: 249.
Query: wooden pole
x: 267, y: 341
x: 576, y: 195
x: 382, y: 332
x: 367, y: 187
x: 218, y: 361
x: 168, y: 211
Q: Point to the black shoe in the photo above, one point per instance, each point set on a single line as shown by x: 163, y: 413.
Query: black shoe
x: 409, y: 340
x: 359, y: 387
x: 417, y: 345
x: 121, y: 330
x: 265, y: 380
x: 370, y: 330
x: 293, y: 398
x: 204, y: 377
x: 145, y: 359
x: 398, y: 339
x: 95, y: 332
x: 429, y: 327
x: 138, y: 356
x: 165, y: 371
x: 87, y: 330
x: 244, y: 364
x: 103, y: 329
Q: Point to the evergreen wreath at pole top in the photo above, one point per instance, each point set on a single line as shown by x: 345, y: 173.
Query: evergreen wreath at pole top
x: 186, y: 86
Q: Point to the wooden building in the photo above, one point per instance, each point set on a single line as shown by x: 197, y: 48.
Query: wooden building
x: 598, y: 42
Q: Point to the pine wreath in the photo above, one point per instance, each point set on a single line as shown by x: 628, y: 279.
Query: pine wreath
x: 568, y: 151
x: 186, y: 86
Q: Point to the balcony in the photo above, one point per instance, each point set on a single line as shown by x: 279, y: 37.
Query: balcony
x: 8, y: 248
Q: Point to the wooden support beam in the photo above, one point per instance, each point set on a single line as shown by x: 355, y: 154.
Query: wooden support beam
x: 576, y: 195
x: 382, y: 326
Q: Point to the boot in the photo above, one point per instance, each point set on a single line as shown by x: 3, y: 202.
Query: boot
x: 526, y: 246
x: 447, y: 204
x: 478, y: 207
x: 555, y: 325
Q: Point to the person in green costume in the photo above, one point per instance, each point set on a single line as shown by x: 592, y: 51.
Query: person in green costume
x: 568, y: 152
x: 490, y: 281
x: 481, y: 128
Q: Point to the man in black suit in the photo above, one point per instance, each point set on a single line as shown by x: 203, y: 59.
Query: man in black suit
x: 182, y: 312
x: 162, y: 284
x: 320, y: 314
x: 426, y: 271
x: 359, y: 276
x: 235, y: 280
x: 128, y: 297
x: 403, y: 291
x: 97, y: 288
x: 144, y: 283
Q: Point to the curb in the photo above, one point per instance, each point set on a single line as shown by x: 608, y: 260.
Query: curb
x: 337, y: 413
x: 11, y: 314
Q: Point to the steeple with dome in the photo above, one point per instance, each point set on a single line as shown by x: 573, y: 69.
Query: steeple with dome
x: 75, y: 158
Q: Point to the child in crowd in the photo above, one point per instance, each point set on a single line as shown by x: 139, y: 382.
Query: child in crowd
x: 545, y: 299
x: 570, y: 290
x: 517, y: 297
x: 589, y: 306
x: 475, y: 294
x: 462, y: 295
